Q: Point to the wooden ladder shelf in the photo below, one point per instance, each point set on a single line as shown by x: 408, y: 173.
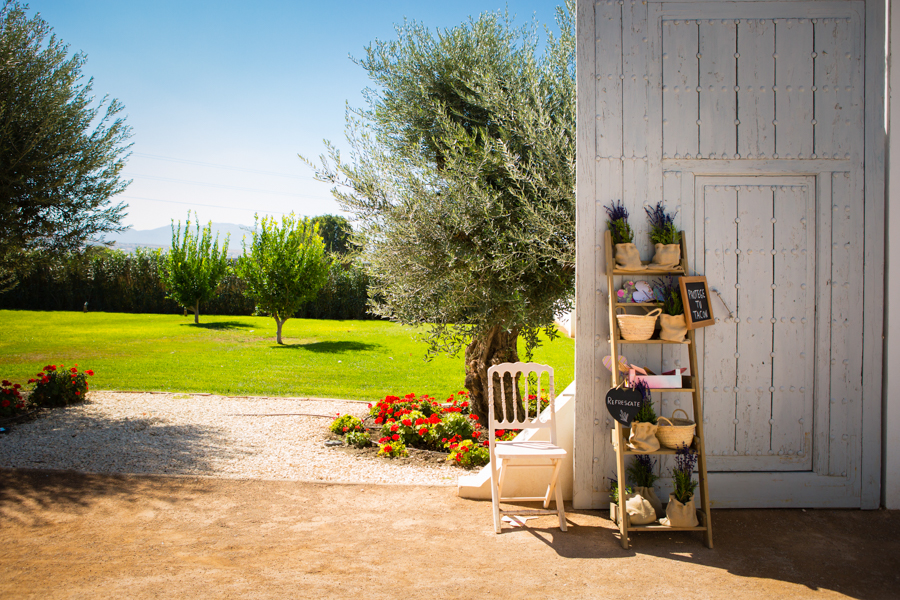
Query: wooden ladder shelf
x: 690, y: 385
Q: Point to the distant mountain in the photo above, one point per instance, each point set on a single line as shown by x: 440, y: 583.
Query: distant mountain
x: 161, y: 237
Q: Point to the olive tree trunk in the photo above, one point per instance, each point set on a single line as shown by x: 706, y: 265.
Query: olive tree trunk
x: 196, y: 310
x: 494, y: 347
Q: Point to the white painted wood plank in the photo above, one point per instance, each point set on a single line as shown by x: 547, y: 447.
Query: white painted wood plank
x: 793, y: 83
x: 780, y: 490
x: 680, y: 80
x: 793, y: 363
x: 718, y: 96
x: 846, y: 326
x: 874, y: 254
x: 831, y: 100
x: 821, y: 402
x: 586, y: 254
x: 720, y: 344
x: 609, y: 79
x: 756, y: 77
x: 754, y: 310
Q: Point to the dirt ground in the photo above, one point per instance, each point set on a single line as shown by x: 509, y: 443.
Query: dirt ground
x: 70, y: 535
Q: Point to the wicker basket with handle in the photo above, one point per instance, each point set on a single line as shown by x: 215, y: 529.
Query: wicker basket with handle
x: 675, y: 432
x: 637, y: 327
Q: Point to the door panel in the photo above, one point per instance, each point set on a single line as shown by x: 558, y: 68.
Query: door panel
x: 758, y: 362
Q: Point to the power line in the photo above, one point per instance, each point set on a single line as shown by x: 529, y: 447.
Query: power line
x: 220, y: 166
x: 275, y: 212
x: 222, y: 186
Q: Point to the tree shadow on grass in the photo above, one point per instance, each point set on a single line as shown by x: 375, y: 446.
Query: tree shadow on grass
x: 331, y: 347
x: 220, y: 326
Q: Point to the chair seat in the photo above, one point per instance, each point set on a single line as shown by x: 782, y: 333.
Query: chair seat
x: 529, y: 449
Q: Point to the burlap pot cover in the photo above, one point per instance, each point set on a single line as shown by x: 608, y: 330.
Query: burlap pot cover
x: 672, y: 328
x: 649, y: 494
x: 639, y: 510
x: 643, y: 437
x: 680, y: 515
x: 668, y: 256
x: 628, y: 258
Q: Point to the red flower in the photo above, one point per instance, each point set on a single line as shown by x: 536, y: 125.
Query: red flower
x: 77, y: 393
x: 394, y: 427
x: 90, y: 372
x: 17, y: 386
x: 465, y: 404
x: 73, y: 370
x: 388, y: 449
x: 378, y: 421
x: 407, y: 422
x: 5, y: 382
x: 473, y: 417
x: 32, y: 380
x: 384, y: 440
x: 476, y: 434
x: 45, y: 379
x: 345, y: 428
x: 423, y: 431
x: 499, y: 433
x: 4, y: 403
x: 420, y: 421
x: 395, y: 437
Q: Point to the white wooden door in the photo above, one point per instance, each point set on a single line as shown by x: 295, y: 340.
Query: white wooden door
x: 759, y: 359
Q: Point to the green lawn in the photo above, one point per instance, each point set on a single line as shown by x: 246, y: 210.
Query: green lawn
x: 237, y: 356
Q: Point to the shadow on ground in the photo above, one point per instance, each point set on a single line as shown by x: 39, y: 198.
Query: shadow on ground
x: 331, y: 347
x: 269, y: 539
x: 219, y: 326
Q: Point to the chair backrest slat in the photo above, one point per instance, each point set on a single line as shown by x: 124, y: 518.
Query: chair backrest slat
x: 520, y: 372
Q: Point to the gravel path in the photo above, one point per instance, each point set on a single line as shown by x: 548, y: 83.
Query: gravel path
x: 215, y: 436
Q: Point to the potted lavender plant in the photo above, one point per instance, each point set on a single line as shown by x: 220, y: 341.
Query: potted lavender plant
x: 627, y: 255
x: 641, y: 475
x: 681, y: 510
x: 643, y: 427
x: 672, y: 324
x: 665, y: 238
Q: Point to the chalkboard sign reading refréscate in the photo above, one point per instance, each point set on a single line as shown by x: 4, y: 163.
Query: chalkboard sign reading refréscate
x: 696, y: 301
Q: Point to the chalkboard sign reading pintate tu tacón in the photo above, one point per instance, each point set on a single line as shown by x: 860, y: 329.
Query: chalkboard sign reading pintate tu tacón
x: 696, y: 302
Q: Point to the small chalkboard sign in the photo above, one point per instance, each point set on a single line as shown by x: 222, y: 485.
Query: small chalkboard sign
x: 696, y: 301
x: 623, y: 404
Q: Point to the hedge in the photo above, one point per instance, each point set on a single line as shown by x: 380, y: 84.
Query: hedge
x: 116, y: 281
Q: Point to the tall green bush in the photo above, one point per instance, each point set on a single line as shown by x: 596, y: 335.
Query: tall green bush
x: 115, y: 281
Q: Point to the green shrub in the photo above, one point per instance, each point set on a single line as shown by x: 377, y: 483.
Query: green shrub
x: 58, y: 386
x: 392, y: 449
x: 360, y: 439
x: 11, y: 402
x: 469, y: 454
x: 345, y: 424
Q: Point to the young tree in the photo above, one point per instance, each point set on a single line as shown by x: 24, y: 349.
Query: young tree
x: 195, y: 266
x: 462, y: 182
x: 335, y: 231
x: 61, y: 152
x: 286, y: 267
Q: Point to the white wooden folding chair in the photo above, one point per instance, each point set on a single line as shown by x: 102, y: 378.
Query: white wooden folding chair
x: 519, y: 454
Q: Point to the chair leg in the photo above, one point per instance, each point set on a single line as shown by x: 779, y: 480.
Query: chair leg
x: 556, y: 464
x: 495, y: 496
x: 560, y: 507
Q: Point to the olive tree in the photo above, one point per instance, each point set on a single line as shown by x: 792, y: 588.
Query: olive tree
x: 284, y: 267
x: 462, y: 181
x: 195, y: 266
x: 61, y: 150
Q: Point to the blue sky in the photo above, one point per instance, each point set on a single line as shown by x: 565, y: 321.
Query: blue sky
x: 223, y: 95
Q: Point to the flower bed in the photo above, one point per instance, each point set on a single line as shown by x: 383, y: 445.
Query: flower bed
x: 424, y: 423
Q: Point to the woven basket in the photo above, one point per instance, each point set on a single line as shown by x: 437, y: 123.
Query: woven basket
x: 675, y: 432
x: 637, y: 327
